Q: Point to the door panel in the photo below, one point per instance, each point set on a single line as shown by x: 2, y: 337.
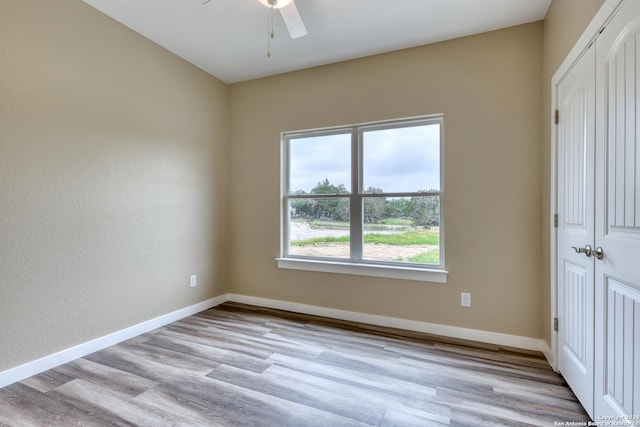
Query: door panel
x: 576, y: 131
x: 575, y: 316
x: 617, y: 229
x: 621, y: 380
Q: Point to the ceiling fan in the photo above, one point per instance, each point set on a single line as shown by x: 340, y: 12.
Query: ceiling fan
x: 290, y: 16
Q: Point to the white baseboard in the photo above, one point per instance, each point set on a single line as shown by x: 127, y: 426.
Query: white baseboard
x: 548, y: 354
x: 48, y: 362
x: 515, y: 341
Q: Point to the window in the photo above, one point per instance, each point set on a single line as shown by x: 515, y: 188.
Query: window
x: 366, y: 196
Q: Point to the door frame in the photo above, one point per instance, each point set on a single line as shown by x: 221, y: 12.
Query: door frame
x: 599, y: 21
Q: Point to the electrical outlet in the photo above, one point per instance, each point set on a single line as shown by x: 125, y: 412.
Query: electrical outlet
x: 465, y: 299
x: 193, y: 281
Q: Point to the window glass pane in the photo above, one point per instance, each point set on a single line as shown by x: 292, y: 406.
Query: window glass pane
x: 404, y: 229
x: 320, y: 164
x: 403, y: 159
x: 319, y: 227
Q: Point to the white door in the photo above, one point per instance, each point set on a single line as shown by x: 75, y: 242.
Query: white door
x: 576, y: 131
x: 617, y: 227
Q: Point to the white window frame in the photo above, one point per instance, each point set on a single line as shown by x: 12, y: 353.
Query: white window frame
x: 355, y: 264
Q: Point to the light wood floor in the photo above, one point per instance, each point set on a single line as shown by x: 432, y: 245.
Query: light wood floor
x: 238, y: 365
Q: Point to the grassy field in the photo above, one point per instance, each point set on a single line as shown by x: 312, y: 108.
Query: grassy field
x: 404, y: 235
x: 396, y: 221
x: 383, y: 225
x: 430, y: 257
x: 407, y: 238
x: 331, y: 225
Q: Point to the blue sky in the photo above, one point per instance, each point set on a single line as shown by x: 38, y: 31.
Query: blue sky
x: 396, y: 160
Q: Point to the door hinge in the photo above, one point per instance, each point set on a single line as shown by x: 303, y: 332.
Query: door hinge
x: 555, y: 324
x: 555, y: 220
x: 556, y: 117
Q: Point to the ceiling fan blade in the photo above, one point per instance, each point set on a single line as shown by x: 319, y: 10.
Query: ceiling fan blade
x: 293, y: 21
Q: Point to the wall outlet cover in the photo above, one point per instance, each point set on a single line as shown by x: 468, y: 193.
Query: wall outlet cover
x: 465, y: 299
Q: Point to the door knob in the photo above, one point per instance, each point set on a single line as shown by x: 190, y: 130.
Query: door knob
x: 586, y: 250
x: 598, y: 252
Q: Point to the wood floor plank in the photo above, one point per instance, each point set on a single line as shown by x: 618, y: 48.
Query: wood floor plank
x: 240, y: 365
x: 174, y: 411
x: 476, y: 375
x: 468, y: 417
x: 394, y: 418
x: 204, y: 355
x: 361, y: 396
x: 233, y: 405
x: 311, y: 394
x: 552, y: 390
x: 221, y: 336
x: 123, y: 359
x: 114, y: 379
x: 390, y: 368
x: 347, y: 375
x: 546, y: 404
x: 48, y: 380
x: 491, y: 405
x: 106, y: 404
x: 21, y: 405
x: 200, y: 343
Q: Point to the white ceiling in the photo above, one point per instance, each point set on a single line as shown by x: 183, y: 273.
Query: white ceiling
x: 228, y: 38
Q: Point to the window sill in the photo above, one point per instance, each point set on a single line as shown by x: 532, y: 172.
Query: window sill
x: 372, y: 270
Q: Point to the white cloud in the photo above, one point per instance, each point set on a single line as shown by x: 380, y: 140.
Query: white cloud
x: 396, y: 160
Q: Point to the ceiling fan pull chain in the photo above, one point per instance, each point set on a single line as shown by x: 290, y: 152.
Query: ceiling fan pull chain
x: 271, y: 33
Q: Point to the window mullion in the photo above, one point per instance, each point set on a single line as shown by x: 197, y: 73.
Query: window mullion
x: 285, y: 154
x: 356, y: 198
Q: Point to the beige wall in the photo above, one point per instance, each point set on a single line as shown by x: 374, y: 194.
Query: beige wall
x: 565, y: 22
x: 489, y: 87
x: 113, y: 179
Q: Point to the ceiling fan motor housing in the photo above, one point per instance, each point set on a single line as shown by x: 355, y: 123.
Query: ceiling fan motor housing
x: 275, y: 4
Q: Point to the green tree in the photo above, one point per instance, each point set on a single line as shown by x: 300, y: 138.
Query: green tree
x: 325, y: 187
x: 304, y: 208
x: 326, y: 208
x: 300, y: 207
x: 425, y: 210
x: 342, y: 210
x: 374, y: 207
x: 397, y: 208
